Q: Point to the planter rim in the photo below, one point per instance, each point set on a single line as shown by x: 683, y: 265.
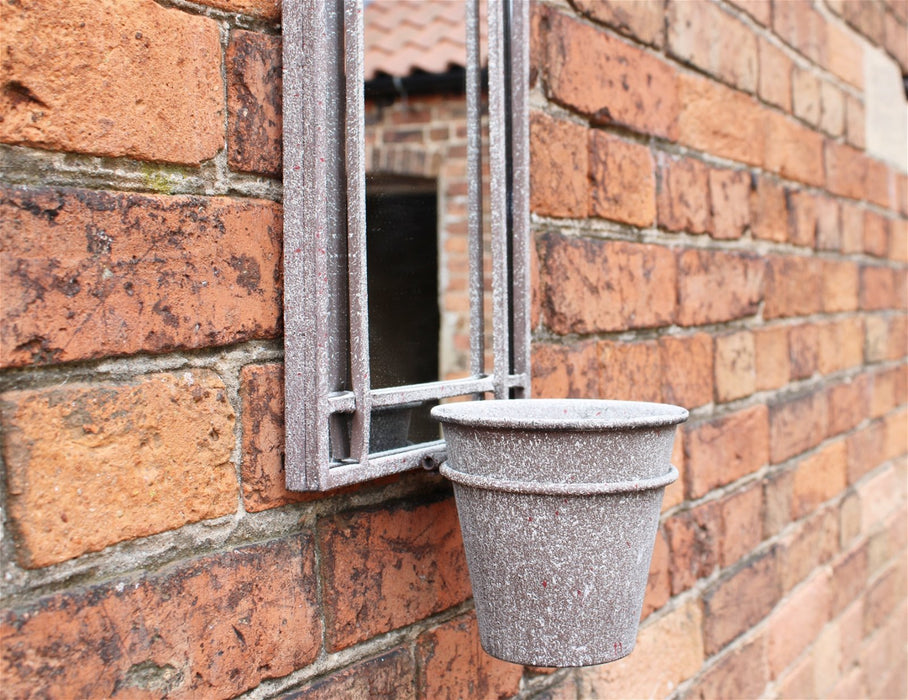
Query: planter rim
x: 560, y: 414
x: 544, y: 488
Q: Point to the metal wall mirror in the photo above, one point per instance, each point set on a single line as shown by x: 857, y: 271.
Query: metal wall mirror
x: 406, y: 278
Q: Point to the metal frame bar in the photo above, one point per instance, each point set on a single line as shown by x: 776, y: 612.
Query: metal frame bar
x: 328, y: 395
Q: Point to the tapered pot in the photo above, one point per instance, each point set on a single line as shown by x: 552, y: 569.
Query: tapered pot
x: 559, y: 503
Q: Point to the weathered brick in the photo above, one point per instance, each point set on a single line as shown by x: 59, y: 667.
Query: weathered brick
x: 385, y: 676
x: 455, y: 666
x: 742, y: 524
x: 631, y: 371
x: 562, y: 371
x: 729, y: 196
x: 840, y: 285
x: 879, y: 288
x: 797, y: 622
x: 771, y: 360
x: 694, y: 538
x: 777, y: 488
x: 775, y: 75
x: 687, y: 369
x: 720, y: 121
x: 594, y: 285
x: 832, y: 112
x: 841, y: 344
x: 846, y: 170
x: 848, y: 405
x: 112, y: 78
x: 887, y: 390
x: 683, y: 197
x: 559, y: 163
x: 613, y: 82
x: 810, y: 544
x: 805, y: 86
x: 260, y: 9
x: 739, y: 673
x: 829, y: 231
x: 640, y: 19
x: 793, y: 286
x: 735, y: 365
x: 89, y: 274
x: 212, y: 627
x: 802, y: 217
x: 388, y: 568
x: 92, y: 465
x: 818, y: 478
x: 738, y: 601
x: 803, y: 350
x: 669, y: 651
x: 852, y: 233
x: 658, y: 583
x: 715, y: 286
x: 769, y: 204
x: 254, y: 107
x: 622, y: 181
x: 876, y: 234
x: 802, y: 27
x: 855, y: 127
x: 792, y: 150
x: 796, y: 425
x: 725, y: 449
x: 706, y: 36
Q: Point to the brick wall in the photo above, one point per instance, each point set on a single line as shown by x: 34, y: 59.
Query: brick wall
x: 718, y: 223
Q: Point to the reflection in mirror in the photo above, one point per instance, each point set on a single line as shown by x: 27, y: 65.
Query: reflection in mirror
x: 416, y: 145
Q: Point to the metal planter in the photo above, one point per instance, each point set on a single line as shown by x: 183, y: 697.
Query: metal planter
x: 559, y: 504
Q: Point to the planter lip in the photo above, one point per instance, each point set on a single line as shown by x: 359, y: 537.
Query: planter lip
x: 543, y: 488
x: 560, y: 414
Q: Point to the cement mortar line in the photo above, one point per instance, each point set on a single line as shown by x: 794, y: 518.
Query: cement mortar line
x: 532, y: 686
x: 234, y: 20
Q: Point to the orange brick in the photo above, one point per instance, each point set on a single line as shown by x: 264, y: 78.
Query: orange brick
x: 876, y: 235
x: 610, y: 80
x: 771, y: 358
x: 896, y: 434
x: 878, y: 288
x: 735, y: 364
x: 792, y: 150
x: 254, y: 107
x: 803, y: 350
x: 658, y: 584
x: 388, y: 675
x: 640, y: 19
x: 388, y: 568
x: 829, y: 231
x: 810, y: 544
x: 855, y: 128
x: 865, y: 450
x: 769, y: 204
x: 840, y: 285
x: 845, y: 57
x: 622, y: 180
x: 802, y: 27
x: 841, y: 345
x: 705, y: 283
x: 898, y: 240
x: 775, y: 75
x: 818, y: 478
x: 741, y: 672
x: 683, y: 198
x: 87, y: 465
x: 140, y: 273
x: 738, y: 601
x: 802, y: 218
x: 832, y: 103
x: 848, y: 405
x: 455, y: 666
x: 846, y: 170
x: 805, y: 86
x: 562, y: 371
x: 260, y: 9
x: 687, y: 369
x: 742, y: 524
x: 211, y: 627
x: 711, y: 39
x: 849, y: 515
x: 559, y: 163
x: 793, y: 286
x: 725, y: 449
x: 879, y: 186
x: 886, y: 390
x: 729, y: 194
x: 631, y: 371
x: 797, y: 622
x: 777, y: 488
x: 127, y: 78
x: 796, y: 425
x: 852, y: 234
x: 593, y: 285
x: 693, y: 542
x: 720, y: 121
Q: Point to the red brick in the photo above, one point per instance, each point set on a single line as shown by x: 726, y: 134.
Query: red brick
x: 735, y: 364
x: 878, y: 288
x: 840, y: 285
x: 802, y: 27
x: 739, y: 673
x: 876, y: 235
x: 848, y: 405
x: 803, y: 349
x: 687, y: 369
x: 865, y: 450
x: 793, y: 286
x: 797, y: 622
x: 760, y: 10
x: 898, y: 240
x: 386, y: 676
x: 805, y: 86
x: 775, y: 75
x: 631, y: 371
x: 127, y: 78
x: 846, y: 170
x: 455, y: 666
x: 796, y: 425
x: 729, y: 194
x: 611, y: 81
x: 260, y: 9
x: 213, y: 627
x: 558, y: 167
x: 769, y: 204
x: 254, y: 108
x: 802, y: 218
x: 896, y: 434
x: 738, y: 601
x: 829, y: 231
x: 562, y: 371
x: 832, y: 103
x: 622, y: 180
x: 92, y: 465
x: 886, y: 390
x: 388, y: 568
x: 720, y: 121
x: 683, y: 199
x: 818, y: 478
x: 742, y: 524
x: 810, y: 544
x: 777, y: 488
x: 89, y: 274
x: 841, y: 344
x: 594, y: 285
x: 855, y: 128
x: 771, y: 361
x: 725, y: 449
x: 640, y: 19
x: 792, y: 150
x: 845, y: 57
x: 658, y: 584
x: 849, y: 577
x: 713, y: 40
x: 693, y: 542
x: 852, y: 234
x: 714, y: 286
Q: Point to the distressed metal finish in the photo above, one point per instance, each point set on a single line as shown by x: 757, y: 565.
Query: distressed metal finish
x: 328, y: 396
x: 559, y: 504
